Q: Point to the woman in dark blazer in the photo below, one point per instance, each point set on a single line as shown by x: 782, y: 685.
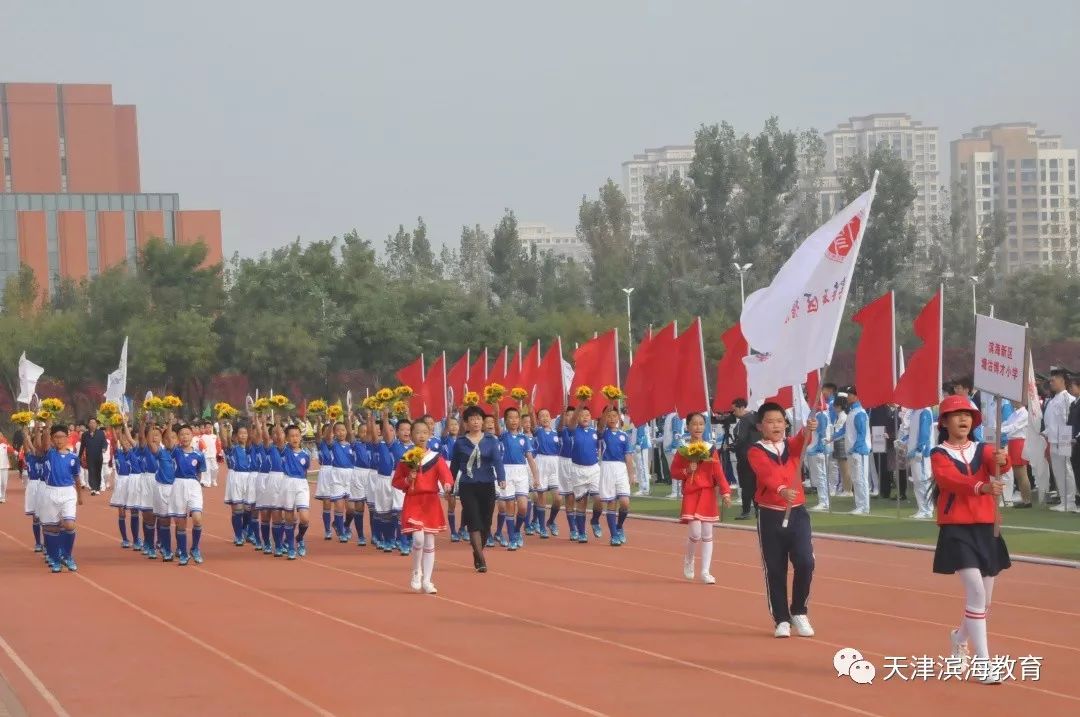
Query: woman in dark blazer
x: 477, y: 465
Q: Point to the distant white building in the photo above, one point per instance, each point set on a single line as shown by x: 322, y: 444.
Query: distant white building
x: 560, y: 243
x: 662, y: 162
x: 913, y: 142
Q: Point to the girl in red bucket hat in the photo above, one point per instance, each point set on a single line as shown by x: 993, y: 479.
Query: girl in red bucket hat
x: 966, y: 495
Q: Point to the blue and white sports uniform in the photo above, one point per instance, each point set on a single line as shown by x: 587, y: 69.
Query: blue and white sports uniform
x: 295, y: 491
x: 614, y: 476
x: 342, y: 465
x: 239, y: 482
x: 122, y: 484
x: 145, y: 464
x: 566, y: 462
x: 260, y: 465
x: 275, y: 481
x: 381, y: 494
x: 57, y: 498
x: 323, y: 483
x: 586, y: 462
x: 516, y: 447
x: 360, y: 480
x: 164, y: 479
x: 397, y: 449
x: 187, y: 497
x: 35, y: 479
x: 547, y: 448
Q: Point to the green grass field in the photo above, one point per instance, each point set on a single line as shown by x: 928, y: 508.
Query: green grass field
x: 1036, y: 531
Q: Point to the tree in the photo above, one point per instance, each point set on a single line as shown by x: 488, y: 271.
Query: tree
x: 398, y: 260
x: 475, y: 273
x: 505, y: 259
x: 22, y: 292
x: 423, y: 258
x: 604, y: 226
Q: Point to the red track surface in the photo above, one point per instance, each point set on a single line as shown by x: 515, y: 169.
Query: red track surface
x: 556, y: 628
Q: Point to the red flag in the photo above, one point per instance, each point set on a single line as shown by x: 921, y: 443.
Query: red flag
x: 478, y: 373
x: 691, y: 392
x: 595, y: 366
x: 457, y: 378
x: 497, y: 374
x: 650, y: 382
x: 529, y: 366
x: 512, y: 381
x: 875, y: 356
x: 920, y: 386
x: 433, y: 392
x: 813, y: 391
x: 413, y: 376
x: 550, y: 393
x: 731, y: 371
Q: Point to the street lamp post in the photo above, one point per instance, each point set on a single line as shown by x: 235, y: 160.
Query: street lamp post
x: 629, y: 325
x: 742, y: 269
x: 974, y: 283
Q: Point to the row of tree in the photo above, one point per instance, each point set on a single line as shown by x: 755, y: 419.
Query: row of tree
x: 307, y: 311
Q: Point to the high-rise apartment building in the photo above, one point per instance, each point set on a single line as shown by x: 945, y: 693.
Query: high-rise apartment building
x: 661, y: 162
x: 1027, y: 177
x: 912, y: 141
x: 72, y: 203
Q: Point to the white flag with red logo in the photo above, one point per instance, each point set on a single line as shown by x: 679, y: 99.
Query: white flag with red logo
x: 791, y: 325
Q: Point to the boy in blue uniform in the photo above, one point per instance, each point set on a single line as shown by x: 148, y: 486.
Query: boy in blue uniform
x: 160, y: 445
x: 616, y: 469
x: 398, y: 439
x: 35, y: 479
x: 548, y: 448
x: 296, y: 493
x: 566, y: 473
x: 359, y: 485
x: 58, y: 498
x: 238, y: 486
x: 381, y: 494
x: 186, y: 498
x: 520, y: 473
x: 585, y: 469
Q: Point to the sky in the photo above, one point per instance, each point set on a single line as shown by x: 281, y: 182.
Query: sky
x: 311, y: 119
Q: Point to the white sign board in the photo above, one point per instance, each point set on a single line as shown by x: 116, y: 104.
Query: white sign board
x: 1000, y: 353
x: 878, y: 439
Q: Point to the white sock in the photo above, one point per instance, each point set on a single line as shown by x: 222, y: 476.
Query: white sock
x: 692, y: 539
x: 706, y: 548
x: 417, y: 551
x: 429, y: 556
x: 973, y: 628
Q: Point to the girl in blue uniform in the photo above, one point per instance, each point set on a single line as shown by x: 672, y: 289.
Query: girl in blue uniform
x: 616, y: 474
x: 548, y: 445
x: 238, y: 480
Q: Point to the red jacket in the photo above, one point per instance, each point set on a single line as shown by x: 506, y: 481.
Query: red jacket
x: 959, y: 501
x: 428, y: 477
x: 709, y: 474
x: 776, y: 472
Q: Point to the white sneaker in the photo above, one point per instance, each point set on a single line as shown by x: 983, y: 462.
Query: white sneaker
x: 429, y: 588
x: 993, y: 677
x: 802, y: 625
x: 417, y: 581
x: 783, y: 630
x: 959, y: 648
x: 708, y: 579
x: 859, y: 511
x: 688, y: 568
x: 819, y: 508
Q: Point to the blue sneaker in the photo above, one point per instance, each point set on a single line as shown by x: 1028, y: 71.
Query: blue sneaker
x: 291, y: 554
x: 54, y: 567
x: 280, y: 552
x: 554, y: 530
x: 503, y: 541
x: 39, y: 548
x: 405, y: 550
x: 268, y: 549
x: 329, y: 535
x: 152, y: 553
x: 530, y: 529
x: 573, y: 536
x: 512, y: 545
x: 596, y: 531
x: 182, y: 559
x: 622, y: 537
x: 361, y: 541
x: 238, y: 542
x: 196, y: 555
x: 343, y: 538
x: 301, y: 548
x: 490, y: 542
x: 455, y: 537
x: 387, y: 547
x: 543, y: 533
x: 614, y: 542
x: 583, y: 537
x: 137, y: 545
x: 167, y: 556
x: 124, y: 544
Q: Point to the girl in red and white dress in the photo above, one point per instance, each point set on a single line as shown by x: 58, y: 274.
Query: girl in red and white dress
x: 422, y: 513
x: 701, y: 481
x: 967, y: 545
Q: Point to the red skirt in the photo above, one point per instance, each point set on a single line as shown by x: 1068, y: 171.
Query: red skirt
x: 422, y: 512
x: 700, y: 505
x: 1016, y: 452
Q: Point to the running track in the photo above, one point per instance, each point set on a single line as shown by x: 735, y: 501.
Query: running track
x: 556, y: 628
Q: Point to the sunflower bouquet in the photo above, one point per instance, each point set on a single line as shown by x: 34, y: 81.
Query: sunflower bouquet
x: 317, y: 407
x: 45, y: 416
x: 115, y: 420
x: 52, y: 405
x: 335, y: 412
x: 384, y: 396
x: 400, y: 409
x: 225, y: 411
x: 519, y: 394
x: 154, y: 405
x: 413, y: 457
x: 472, y: 398
x: 172, y: 403
x: 108, y: 409
x: 493, y: 393
x: 612, y: 393
x: 261, y: 405
x: 281, y: 402
x: 696, y: 452
x: 584, y: 393
x: 371, y: 403
x: 403, y: 392
x: 22, y: 418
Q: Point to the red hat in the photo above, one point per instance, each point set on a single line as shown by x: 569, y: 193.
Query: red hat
x: 955, y: 404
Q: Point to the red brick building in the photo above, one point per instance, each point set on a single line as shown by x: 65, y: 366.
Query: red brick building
x: 72, y: 203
